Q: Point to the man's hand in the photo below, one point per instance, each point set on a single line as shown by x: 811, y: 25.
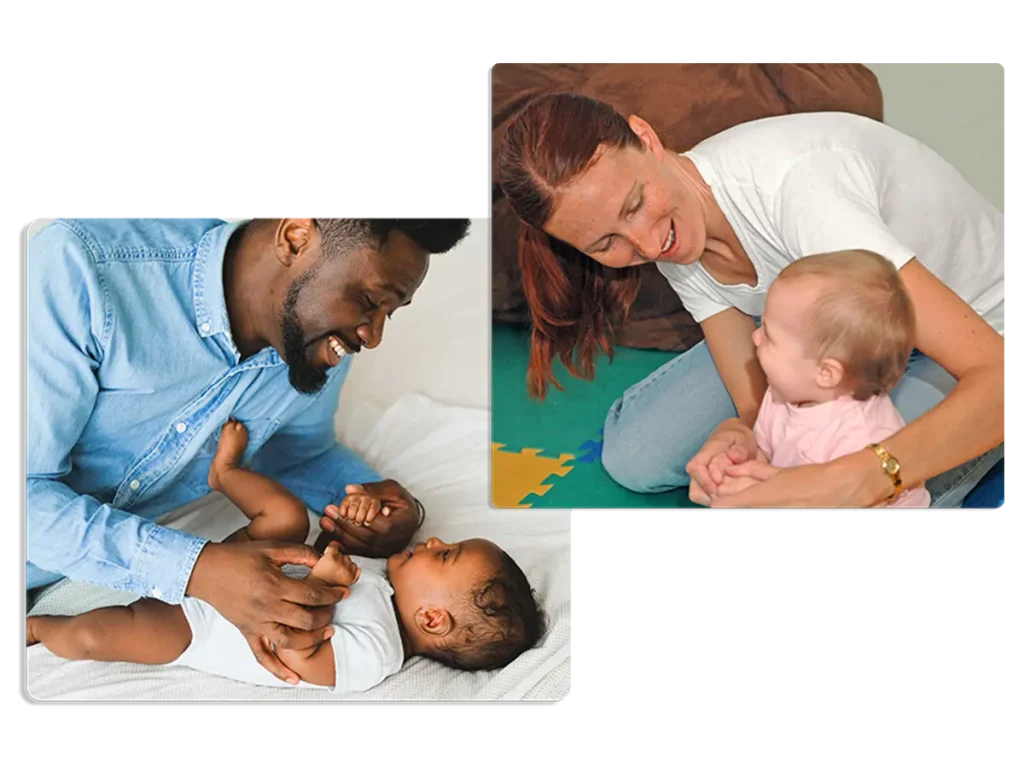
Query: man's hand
x: 386, y: 533
x: 244, y: 582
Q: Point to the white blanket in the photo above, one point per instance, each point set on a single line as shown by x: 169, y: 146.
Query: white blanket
x: 441, y: 454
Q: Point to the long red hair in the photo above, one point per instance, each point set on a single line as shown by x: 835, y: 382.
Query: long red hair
x: 576, y: 303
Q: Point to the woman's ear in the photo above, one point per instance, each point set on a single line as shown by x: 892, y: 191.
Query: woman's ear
x: 646, y: 134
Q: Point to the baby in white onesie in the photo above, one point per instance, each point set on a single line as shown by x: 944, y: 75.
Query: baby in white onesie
x: 835, y: 336
x: 466, y: 604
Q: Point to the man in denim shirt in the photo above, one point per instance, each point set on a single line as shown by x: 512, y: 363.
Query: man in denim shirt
x: 144, y: 336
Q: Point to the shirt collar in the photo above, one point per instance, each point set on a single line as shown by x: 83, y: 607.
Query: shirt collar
x: 208, y: 280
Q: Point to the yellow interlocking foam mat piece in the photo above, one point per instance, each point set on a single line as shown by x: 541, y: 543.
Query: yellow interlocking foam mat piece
x: 515, y: 475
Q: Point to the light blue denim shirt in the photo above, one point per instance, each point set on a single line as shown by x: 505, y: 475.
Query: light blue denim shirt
x: 132, y: 371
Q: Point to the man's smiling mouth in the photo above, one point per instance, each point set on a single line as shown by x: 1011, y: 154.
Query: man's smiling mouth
x: 337, y: 348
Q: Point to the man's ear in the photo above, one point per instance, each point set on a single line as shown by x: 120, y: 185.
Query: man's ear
x: 434, y: 621
x: 646, y: 134
x: 294, y: 239
x: 830, y: 373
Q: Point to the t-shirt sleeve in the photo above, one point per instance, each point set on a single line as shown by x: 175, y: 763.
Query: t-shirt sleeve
x: 701, y: 304
x: 831, y: 200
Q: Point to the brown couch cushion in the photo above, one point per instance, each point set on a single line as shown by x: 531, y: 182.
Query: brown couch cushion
x: 685, y: 104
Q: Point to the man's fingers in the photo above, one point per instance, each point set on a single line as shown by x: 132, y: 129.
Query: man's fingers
x: 287, y: 638
x: 309, y: 594
x: 300, y: 616
x: 292, y: 554
x: 266, y: 658
x: 359, y: 532
x: 353, y: 545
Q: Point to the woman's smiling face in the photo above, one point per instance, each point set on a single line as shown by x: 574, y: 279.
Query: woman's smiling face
x: 630, y: 207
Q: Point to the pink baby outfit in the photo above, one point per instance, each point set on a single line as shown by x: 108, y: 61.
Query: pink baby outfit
x: 797, y: 436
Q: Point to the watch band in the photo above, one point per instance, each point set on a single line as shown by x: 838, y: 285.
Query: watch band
x: 891, y: 467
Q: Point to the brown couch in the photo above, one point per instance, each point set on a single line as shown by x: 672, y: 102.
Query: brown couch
x: 685, y: 103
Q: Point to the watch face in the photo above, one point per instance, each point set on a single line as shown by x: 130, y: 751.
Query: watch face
x: 891, y: 466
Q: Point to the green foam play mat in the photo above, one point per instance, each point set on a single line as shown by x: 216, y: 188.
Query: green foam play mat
x: 556, y: 444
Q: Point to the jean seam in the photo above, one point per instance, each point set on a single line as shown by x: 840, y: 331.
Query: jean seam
x: 967, y: 476
x: 638, y: 387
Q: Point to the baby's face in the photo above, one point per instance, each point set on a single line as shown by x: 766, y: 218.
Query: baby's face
x: 782, y: 339
x: 442, y: 575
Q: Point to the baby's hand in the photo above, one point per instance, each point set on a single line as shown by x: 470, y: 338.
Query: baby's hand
x: 360, y: 507
x: 734, y: 456
x: 744, y: 475
x: 336, y: 568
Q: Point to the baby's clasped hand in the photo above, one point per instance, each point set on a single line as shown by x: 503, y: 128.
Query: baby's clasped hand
x: 359, y: 506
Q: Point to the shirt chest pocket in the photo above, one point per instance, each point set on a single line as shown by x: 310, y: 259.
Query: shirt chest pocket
x: 194, y: 474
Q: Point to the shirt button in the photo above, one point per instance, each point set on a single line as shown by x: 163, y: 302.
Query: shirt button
x: 205, y: 327
x: 135, y: 484
x: 180, y: 427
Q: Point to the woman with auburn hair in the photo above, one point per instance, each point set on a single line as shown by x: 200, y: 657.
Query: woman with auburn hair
x: 597, y: 193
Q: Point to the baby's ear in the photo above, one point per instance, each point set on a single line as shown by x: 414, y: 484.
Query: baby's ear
x: 434, y: 621
x: 830, y: 373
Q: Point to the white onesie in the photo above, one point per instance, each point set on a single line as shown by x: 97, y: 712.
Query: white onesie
x: 367, y: 643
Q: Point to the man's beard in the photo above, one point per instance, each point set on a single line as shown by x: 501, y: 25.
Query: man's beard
x: 303, y: 376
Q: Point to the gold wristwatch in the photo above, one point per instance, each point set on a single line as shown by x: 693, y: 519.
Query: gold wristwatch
x: 891, y: 467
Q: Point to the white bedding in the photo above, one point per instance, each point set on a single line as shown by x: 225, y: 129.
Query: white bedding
x: 441, y: 454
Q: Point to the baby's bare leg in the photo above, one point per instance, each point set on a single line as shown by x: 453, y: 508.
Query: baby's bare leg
x: 276, y: 514
x: 146, y: 631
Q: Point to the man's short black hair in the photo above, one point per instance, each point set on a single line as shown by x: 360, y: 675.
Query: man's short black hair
x: 434, y: 235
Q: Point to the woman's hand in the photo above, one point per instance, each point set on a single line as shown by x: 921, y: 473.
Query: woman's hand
x: 851, y: 481
x: 742, y: 476
x: 731, y: 443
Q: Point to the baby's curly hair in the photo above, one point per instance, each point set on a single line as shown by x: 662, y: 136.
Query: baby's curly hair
x: 500, y: 622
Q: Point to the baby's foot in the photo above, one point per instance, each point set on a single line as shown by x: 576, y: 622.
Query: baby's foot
x: 335, y: 568
x: 230, y: 446
x: 31, y: 624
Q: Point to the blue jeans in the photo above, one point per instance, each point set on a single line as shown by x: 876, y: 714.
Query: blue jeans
x: 655, y: 428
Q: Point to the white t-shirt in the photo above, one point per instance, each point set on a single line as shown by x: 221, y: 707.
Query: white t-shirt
x: 798, y: 185
x: 367, y: 643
